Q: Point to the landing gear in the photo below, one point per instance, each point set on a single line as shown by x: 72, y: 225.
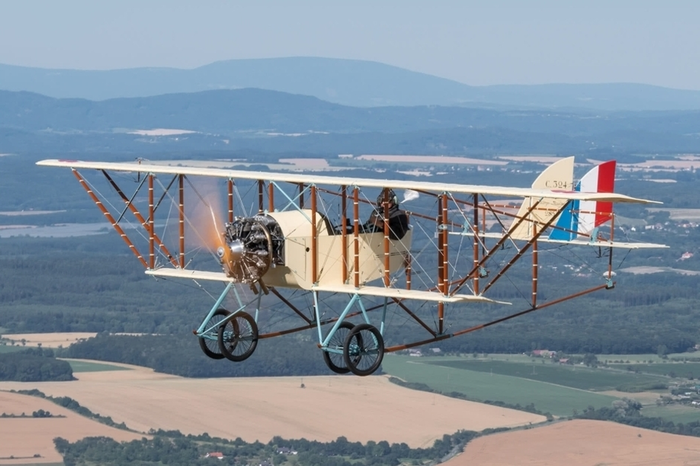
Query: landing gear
x: 208, y: 341
x: 363, y: 349
x: 238, y: 337
x: 335, y: 361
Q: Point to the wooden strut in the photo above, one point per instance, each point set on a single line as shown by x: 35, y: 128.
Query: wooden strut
x: 261, y: 189
x: 387, y: 257
x: 445, y: 336
x: 290, y: 305
x: 146, y: 223
x: 475, y: 248
x: 408, y: 264
x: 229, y: 195
x: 110, y: 218
x: 523, y: 250
x: 356, y: 236
x: 535, y: 268
x: 151, y: 226
x: 312, y: 324
x: 181, y: 218
x: 442, y: 257
x: 314, y: 237
x: 270, y: 197
x: 344, y: 231
x: 490, y: 208
x: 414, y: 316
x: 460, y: 283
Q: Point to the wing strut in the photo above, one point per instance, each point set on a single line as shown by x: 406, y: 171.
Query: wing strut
x: 536, y: 234
x: 109, y: 217
x: 493, y: 250
x: 144, y: 223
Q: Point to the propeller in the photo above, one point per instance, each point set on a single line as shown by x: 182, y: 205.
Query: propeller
x: 208, y: 222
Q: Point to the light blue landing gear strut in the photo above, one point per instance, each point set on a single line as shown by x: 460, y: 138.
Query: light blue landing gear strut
x: 230, y: 335
x: 352, y: 348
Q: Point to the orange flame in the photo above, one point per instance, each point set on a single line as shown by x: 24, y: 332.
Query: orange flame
x: 207, y: 219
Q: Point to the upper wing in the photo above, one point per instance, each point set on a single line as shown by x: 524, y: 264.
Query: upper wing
x: 340, y: 180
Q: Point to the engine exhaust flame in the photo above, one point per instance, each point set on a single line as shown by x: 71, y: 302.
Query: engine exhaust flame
x: 207, y: 219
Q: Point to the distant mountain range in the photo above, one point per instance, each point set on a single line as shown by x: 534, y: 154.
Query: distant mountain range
x: 255, y: 112
x: 348, y: 82
x: 272, y: 121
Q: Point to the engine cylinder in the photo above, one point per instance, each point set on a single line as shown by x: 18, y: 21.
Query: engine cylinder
x: 253, y: 245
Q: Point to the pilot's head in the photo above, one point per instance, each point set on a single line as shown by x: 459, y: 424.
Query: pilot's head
x: 389, y: 195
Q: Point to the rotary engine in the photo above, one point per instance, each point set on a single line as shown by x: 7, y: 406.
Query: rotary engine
x: 253, y: 245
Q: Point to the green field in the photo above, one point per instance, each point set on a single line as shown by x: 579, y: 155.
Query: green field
x: 484, y: 385
x: 85, y: 366
x: 580, y: 377
x: 10, y: 348
x: 674, y: 413
x: 676, y: 369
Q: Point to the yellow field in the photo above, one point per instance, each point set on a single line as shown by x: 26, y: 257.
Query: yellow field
x: 325, y: 408
x: 581, y: 443
x: 360, y: 409
x: 48, y: 340
x: 25, y: 437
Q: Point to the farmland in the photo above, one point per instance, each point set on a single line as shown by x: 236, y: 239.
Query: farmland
x: 581, y: 443
x: 555, y: 388
x: 292, y: 407
x: 486, y: 385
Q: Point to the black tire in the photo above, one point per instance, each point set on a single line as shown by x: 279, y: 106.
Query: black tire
x: 209, y: 341
x: 336, y: 361
x: 238, y: 337
x: 363, y: 349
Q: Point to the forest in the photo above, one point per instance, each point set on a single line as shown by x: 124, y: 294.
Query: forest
x: 33, y: 365
x: 177, y: 449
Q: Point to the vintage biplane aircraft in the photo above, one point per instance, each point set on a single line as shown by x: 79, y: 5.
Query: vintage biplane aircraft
x: 301, y: 241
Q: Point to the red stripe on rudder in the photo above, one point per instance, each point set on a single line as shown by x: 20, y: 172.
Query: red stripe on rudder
x: 606, y: 184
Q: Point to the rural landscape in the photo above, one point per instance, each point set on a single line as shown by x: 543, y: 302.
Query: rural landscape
x: 371, y: 236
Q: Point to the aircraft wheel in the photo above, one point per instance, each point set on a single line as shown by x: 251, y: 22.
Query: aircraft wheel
x: 336, y: 361
x: 363, y: 349
x: 238, y: 337
x: 209, y: 341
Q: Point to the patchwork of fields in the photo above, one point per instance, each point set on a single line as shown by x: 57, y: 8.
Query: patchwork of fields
x: 372, y: 408
x: 558, y: 389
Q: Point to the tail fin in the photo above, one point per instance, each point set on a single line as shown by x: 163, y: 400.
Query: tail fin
x: 582, y: 217
x: 559, y: 175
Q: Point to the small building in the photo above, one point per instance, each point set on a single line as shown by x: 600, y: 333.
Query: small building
x: 215, y: 454
x: 543, y: 353
x: 286, y: 451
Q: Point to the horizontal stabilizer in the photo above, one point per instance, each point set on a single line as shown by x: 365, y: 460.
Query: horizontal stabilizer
x: 595, y: 243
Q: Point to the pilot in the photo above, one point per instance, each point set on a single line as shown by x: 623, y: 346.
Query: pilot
x: 398, y: 219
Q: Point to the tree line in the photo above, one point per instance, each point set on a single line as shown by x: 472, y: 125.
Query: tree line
x: 33, y: 365
x: 177, y: 449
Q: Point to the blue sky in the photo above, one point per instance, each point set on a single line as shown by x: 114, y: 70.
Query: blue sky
x: 478, y: 43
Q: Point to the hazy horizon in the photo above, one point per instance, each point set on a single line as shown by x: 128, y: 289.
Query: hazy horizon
x: 502, y: 42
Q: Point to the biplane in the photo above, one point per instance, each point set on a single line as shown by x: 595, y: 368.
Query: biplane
x: 292, y: 253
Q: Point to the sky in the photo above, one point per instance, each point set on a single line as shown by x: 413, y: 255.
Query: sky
x: 473, y: 42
